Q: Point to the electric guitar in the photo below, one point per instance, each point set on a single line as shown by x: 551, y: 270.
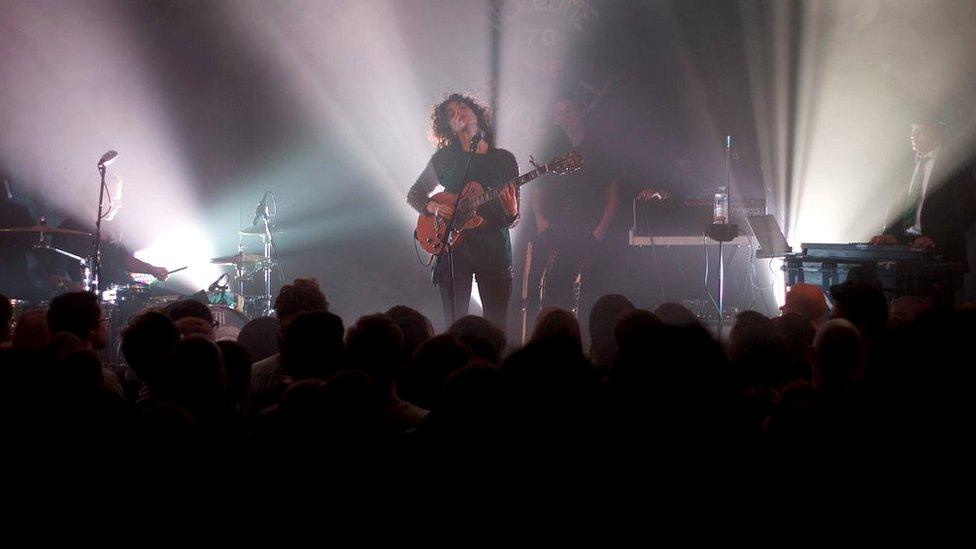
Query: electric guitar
x: 431, y: 229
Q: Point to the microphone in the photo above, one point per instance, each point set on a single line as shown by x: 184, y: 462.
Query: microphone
x: 262, y: 210
x: 476, y: 138
x: 108, y: 158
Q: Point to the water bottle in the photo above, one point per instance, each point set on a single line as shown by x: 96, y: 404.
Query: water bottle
x: 721, y: 209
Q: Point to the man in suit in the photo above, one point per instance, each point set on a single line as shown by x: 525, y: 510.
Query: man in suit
x: 938, y: 202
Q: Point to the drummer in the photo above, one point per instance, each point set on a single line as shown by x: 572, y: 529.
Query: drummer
x: 117, y: 263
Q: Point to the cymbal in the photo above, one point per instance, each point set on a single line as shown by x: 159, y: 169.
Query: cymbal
x: 257, y: 229
x: 43, y: 229
x: 238, y: 259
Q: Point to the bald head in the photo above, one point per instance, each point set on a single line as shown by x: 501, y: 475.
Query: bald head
x: 807, y: 301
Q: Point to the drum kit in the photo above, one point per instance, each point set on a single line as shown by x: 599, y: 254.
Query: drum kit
x: 231, y: 308
x: 42, y: 230
x: 250, y: 267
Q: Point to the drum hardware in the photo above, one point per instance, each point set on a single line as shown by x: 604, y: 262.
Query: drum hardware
x: 84, y: 262
x: 43, y: 230
x: 248, y: 265
x: 45, y: 246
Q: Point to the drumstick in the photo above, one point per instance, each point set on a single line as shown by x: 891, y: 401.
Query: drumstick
x: 180, y: 269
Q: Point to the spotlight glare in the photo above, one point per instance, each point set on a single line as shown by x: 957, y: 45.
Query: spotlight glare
x: 183, y: 245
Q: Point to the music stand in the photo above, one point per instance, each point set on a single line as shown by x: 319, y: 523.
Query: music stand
x: 772, y: 241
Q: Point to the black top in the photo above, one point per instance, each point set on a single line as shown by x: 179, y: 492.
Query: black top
x: 490, y: 245
x: 575, y: 202
x: 113, y: 254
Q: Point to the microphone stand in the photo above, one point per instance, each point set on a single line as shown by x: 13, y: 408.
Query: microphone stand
x: 722, y: 233
x: 265, y: 220
x: 270, y: 257
x: 96, y: 259
x: 267, y: 240
x: 269, y: 226
x: 452, y: 224
x: 721, y: 252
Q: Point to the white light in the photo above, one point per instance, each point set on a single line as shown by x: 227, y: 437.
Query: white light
x: 184, y: 245
x: 778, y: 281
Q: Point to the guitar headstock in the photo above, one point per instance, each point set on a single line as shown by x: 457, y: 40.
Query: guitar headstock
x: 565, y: 164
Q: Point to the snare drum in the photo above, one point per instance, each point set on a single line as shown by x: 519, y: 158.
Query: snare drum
x: 132, y: 296
x: 229, y: 322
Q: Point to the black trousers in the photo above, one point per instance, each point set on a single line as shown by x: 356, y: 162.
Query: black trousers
x: 494, y: 288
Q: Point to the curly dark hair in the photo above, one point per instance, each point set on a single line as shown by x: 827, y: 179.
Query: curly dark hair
x: 301, y: 295
x: 440, y: 125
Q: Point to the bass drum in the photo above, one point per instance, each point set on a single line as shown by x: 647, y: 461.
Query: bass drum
x: 229, y: 322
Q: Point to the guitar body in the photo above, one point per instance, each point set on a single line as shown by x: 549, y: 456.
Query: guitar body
x: 431, y: 229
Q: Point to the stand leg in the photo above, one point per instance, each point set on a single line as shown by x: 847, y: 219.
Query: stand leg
x: 721, y: 289
x: 266, y: 301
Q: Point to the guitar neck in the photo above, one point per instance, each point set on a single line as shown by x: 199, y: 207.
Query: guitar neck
x: 492, y: 194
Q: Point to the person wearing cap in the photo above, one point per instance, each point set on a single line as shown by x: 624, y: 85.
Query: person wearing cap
x: 807, y: 301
